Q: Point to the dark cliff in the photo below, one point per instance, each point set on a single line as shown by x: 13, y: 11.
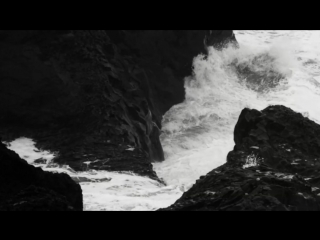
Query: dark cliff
x: 91, y: 95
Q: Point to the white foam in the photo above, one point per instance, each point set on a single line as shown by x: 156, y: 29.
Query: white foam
x: 102, y: 190
x: 25, y: 148
x: 124, y: 192
x: 198, y: 133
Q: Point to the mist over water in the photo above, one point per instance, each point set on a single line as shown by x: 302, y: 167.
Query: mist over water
x: 269, y: 68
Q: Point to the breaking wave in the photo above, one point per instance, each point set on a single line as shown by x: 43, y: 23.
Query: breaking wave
x: 270, y: 67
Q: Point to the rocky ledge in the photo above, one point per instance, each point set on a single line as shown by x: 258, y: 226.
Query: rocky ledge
x: 274, y: 166
x: 26, y: 188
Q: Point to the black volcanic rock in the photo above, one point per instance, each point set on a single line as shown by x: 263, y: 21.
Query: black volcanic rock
x: 285, y: 140
x: 26, y: 188
x: 220, y: 39
x: 274, y: 166
x: 92, y: 94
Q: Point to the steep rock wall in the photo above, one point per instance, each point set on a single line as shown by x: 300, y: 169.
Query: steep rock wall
x: 93, y: 94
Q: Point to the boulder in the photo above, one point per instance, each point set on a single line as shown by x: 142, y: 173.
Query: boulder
x: 274, y: 166
x: 26, y: 188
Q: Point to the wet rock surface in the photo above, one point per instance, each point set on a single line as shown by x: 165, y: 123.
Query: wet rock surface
x: 26, y: 188
x: 220, y: 39
x: 274, y: 167
x: 91, y: 95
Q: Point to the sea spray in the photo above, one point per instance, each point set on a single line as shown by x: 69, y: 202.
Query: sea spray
x: 198, y: 133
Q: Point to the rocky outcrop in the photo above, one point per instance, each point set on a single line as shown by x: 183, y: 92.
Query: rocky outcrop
x: 220, y: 39
x: 94, y: 96
x: 274, y: 166
x: 26, y: 188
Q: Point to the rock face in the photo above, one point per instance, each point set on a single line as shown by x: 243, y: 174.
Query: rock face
x: 275, y: 165
x: 26, y: 188
x: 92, y: 95
x: 220, y: 38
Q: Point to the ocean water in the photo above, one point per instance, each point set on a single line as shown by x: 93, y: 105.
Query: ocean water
x: 198, y: 133
x: 269, y: 68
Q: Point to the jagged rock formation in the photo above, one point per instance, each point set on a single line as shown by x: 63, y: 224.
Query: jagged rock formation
x: 26, y: 188
x: 92, y: 95
x: 274, y: 166
x: 220, y: 38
